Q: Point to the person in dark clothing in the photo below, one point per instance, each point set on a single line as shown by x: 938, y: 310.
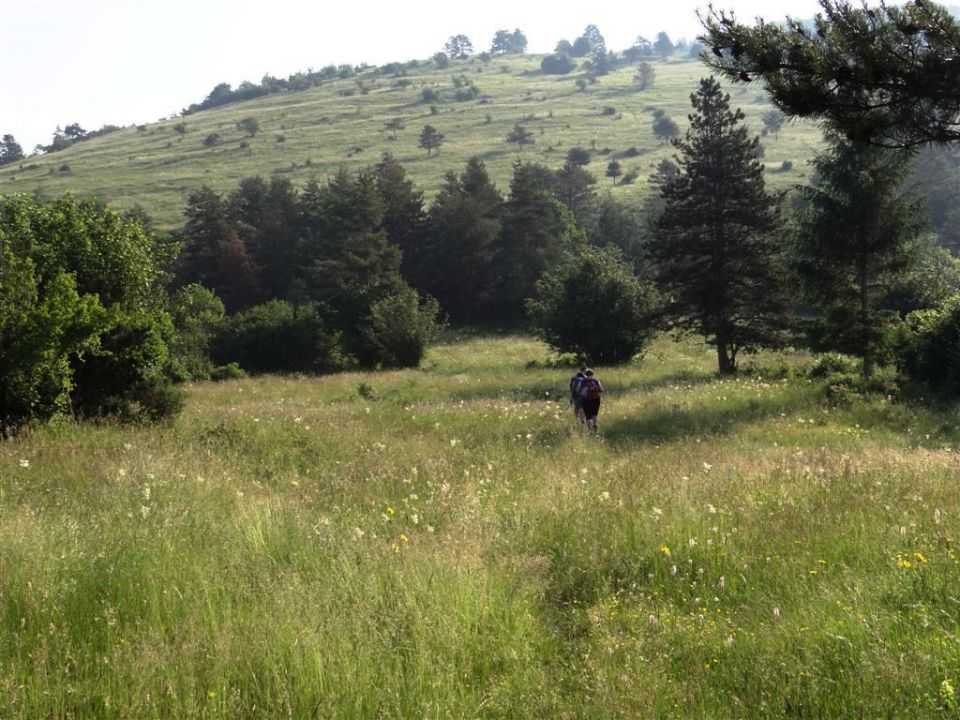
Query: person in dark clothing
x: 590, y: 391
x: 575, y: 383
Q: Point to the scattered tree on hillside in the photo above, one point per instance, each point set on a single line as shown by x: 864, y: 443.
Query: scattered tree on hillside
x: 557, y: 64
x: 508, y: 43
x: 855, y: 235
x: 458, y: 47
x: 211, y: 140
x: 393, y: 125
x: 430, y: 139
x: 665, y: 129
x: 641, y: 49
x: 578, y: 155
x: 73, y: 131
x: 714, y: 239
x: 249, y: 125
x: 10, y: 150
x: 614, y: 170
x: 887, y: 75
x: 645, y: 77
x: 441, y: 60
x: 663, y: 46
x: 520, y: 136
x: 772, y: 122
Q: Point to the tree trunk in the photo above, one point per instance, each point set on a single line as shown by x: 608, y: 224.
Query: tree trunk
x: 725, y: 363
x: 864, y: 318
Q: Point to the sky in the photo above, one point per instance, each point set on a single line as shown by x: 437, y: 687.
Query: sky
x: 123, y: 62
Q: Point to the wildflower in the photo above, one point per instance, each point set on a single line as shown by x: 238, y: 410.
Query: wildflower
x: 673, y: 569
x: 707, y: 467
x: 692, y: 542
x: 665, y: 550
x: 144, y: 511
x: 390, y: 511
x: 920, y: 557
x: 358, y: 533
x: 947, y: 694
x: 395, y: 548
x: 453, y: 443
x: 429, y: 528
x: 404, y: 538
x: 904, y: 563
x: 722, y: 583
x: 24, y: 463
x: 604, y: 495
x: 776, y: 613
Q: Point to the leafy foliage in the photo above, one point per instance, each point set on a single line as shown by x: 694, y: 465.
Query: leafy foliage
x: 278, y: 337
x: 83, y: 324
x: 400, y: 328
x: 593, y: 306
x: 886, y: 75
x: 930, y: 348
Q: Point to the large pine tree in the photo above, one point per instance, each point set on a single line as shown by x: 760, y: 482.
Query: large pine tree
x: 856, y: 234
x: 456, y: 264
x: 715, y: 240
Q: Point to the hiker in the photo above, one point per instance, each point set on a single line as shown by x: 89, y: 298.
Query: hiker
x: 575, y: 383
x: 590, y: 390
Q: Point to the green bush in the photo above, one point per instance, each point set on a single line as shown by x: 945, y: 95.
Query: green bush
x: 592, y: 305
x: 831, y: 363
x: 279, y: 337
x: 124, y: 375
x: 197, y: 316
x: 929, y: 348
x: 80, y: 309
x: 400, y: 328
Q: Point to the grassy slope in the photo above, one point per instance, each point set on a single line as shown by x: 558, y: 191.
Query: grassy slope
x: 157, y: 168
x: 441, y: 545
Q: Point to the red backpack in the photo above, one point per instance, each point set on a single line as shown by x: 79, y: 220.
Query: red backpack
x: 591, y: 388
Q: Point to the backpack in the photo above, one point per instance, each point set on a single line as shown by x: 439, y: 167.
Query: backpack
x: 576, y: 384
x: 590, y: 389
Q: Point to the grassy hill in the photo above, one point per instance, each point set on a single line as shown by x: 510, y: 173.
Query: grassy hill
x: 441, y: 543
x: 341, y: 124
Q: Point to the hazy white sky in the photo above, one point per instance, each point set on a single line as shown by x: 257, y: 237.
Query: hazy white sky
x: 131, y: 61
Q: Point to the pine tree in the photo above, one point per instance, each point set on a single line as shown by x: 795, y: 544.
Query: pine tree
x: 854, y: 238
x: 347, y: 262
x: 403, y: 215
x: 715, y: 245
x: 463, y: 225
x: 537, y: 228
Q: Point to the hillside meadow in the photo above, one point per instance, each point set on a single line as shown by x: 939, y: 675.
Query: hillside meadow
x: 443, y: 543
x: 341, y: 124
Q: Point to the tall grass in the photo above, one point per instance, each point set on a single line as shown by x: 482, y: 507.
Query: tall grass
x: 444, y: 543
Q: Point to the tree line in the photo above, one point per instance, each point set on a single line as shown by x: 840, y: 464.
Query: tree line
x: 99, y: 318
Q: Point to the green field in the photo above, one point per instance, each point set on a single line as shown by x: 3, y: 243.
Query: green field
x: 442, y: 543
x: 341, y: 124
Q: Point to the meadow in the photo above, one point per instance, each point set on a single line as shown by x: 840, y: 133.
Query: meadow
x: 341, y: 124
x: 444, y: 543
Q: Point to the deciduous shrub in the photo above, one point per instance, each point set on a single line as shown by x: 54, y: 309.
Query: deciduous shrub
x: 592, y: 305
x: 279, y: 337
x: 929, y: 348
x: 400, y: 328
